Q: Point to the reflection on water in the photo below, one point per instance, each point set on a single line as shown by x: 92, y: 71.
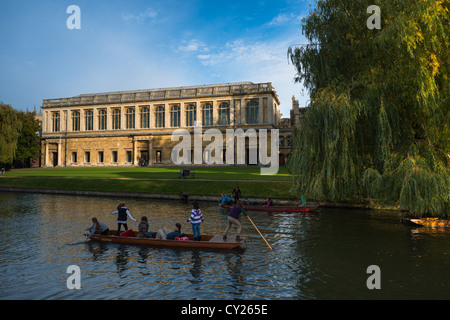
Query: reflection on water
x: 321, y: 255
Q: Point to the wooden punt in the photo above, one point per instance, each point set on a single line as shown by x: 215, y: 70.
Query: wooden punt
x: 278, y: 208
x: 207, y: 241
x: 430, y: 222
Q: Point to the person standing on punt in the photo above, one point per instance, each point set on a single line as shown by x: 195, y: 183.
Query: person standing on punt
x: 236, y: 193
x: 233, y: 217
x: 123, y: 214
x: 196, y: 218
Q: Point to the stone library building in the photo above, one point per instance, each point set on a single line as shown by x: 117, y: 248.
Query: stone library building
x: 134, y: 128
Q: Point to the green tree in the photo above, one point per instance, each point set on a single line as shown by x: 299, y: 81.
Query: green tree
x: 29, y: 142
x: 10, y: 126
x: 379, y: 113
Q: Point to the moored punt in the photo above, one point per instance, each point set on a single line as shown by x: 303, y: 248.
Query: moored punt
x: 430, y: 222
x: 276, y: 208
x: 207, y: 241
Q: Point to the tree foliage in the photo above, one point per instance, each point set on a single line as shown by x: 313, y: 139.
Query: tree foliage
x: 29, y: 142
x: 378, y: 122
x: 10, y: 126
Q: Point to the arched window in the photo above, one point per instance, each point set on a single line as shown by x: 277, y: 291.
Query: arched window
x: 102, y: 120
x: 55, y: 122
x: 289, y: 141
x: 116, y: 119
x: 252, y: 112
x: 224, y: 113
x: 89, y: 116
x: 191, y: 115
x: 145, y: 118
x: 159, y: 117
x: 281, y: 142
x: 207, y: 114
x: 129, y: 118
x: 76, y: 121
x: 175, y: 116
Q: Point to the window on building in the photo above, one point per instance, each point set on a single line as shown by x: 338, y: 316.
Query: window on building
x: 89, y: 116
x: 159, y: 117
x: 145, y: 118
x: 55, y: 122
x: 252, y: 112
x: 100, y: 156
x: 224, y: 113
x: 191, y: 115
x: 289, y: 141
x: 207, y: 114
x: 158, y: 156
x: 76, y: 121
x: 102, y: 120
x: 175, y: 116
x: 116, y: 119
x: 87, y: 156
x: 129, y: 118
x: 114, y: 157
x: 129, y: 159
x: 281, y: 142
x: 74, y: 157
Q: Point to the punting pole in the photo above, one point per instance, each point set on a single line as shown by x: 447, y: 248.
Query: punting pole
x: 259, y: 232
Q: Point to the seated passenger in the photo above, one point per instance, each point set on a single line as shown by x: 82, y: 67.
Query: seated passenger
x: 166, y: 235
x: 268, y: 203
x: 143, y: 229
x: 225, y: 199
x: 97, y: 228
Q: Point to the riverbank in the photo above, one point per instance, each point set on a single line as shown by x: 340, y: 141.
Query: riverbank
x: 162, y: 183
x: 208, y: 183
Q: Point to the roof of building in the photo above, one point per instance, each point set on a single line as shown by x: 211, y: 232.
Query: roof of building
x: 169, y: 88
x: 162, y: 93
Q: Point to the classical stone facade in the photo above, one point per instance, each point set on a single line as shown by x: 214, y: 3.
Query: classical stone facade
x: 132, y: 128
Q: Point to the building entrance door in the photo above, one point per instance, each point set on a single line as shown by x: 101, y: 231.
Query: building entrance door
x: 144, y: 159
x: 55, y: 158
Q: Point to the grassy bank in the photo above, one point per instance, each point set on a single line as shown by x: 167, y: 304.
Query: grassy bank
x: 210, y: 173
x: 152, y: 180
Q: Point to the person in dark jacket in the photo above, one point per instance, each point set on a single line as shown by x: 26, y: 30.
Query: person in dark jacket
x: 143, y: 228
x: 123, y: 213
x: 233, y: 217
x: 164, y: 234
x: 236, y: 193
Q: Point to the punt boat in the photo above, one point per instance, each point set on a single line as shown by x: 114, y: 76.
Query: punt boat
x: 207, y: 241
x: 430, y: 222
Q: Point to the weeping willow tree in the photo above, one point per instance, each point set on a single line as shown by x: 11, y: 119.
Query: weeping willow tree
x: 378, y: 122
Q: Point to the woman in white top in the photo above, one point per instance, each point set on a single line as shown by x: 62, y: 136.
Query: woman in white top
x: 123, y: 214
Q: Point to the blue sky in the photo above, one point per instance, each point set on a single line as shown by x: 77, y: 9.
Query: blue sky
x: 136, y: 44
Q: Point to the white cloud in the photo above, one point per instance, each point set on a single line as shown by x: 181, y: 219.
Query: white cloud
x: 142, y: 16
x: 193, y: 45
x: 257, y: 61
x: 240, y: 51
x: 284, y: 19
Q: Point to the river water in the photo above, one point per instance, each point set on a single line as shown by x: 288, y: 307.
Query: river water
x: 323, y: 255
